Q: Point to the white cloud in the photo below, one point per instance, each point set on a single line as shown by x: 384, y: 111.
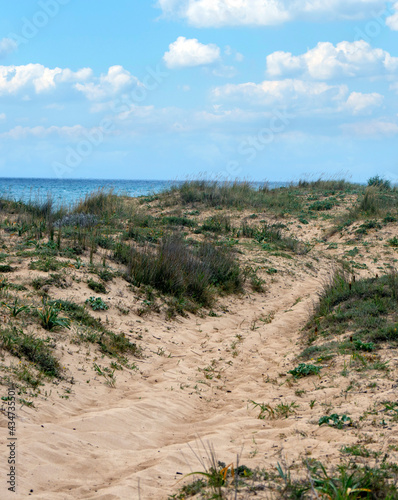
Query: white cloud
x: 373, y: 128
x: 326, y: 61
x: 3, y: 116
x: 300, y: 97
x: 36, y: 77
x: 190, y: 52
x: 217, y: 13
x: 116, y: 81
x: 392, y: 21
x: 359, y: 103
x: 290, y: 92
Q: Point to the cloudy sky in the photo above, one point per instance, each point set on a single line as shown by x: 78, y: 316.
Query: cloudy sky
x: 170, y: 89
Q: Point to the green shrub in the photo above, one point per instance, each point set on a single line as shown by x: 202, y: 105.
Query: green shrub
x: 96, y: 286
x: 5, y: 268
x: 217, y: 224
x: 322, y: 205
x: 178, y: 221
x: 178, y: 269
x: 377, y: 181
x: 393, y: 242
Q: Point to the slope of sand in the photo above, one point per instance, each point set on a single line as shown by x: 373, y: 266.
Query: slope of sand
x: 194, y: 386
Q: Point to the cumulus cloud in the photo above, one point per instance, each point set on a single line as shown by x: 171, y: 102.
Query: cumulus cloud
x: 360, y: 103
x: 190, y: 52
x: 300, y: 97
x: 116, y: 81
x: 7, y: 45
x: 217, y: 13
x: 36, y: 77
x: 392, y: 21
x: 327, y: 61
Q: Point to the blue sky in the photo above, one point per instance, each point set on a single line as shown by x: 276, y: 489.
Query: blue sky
x: 172, y: 89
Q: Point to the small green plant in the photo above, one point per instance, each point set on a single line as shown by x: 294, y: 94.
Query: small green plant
x: 107, y: 373
x: 97, y: 304
x: 304, y: 370
x: 49, y: 317
x: 280, y: 410
x: 335, y: 420
x: 364, y: 346
x: 391, y: 409
x: 15, y: 308
x: 356, y: 450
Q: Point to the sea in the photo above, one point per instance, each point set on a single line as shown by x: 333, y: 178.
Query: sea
x: 67, y: 192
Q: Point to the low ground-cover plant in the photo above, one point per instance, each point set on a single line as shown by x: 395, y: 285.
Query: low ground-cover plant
x: 97, y: 304
x: 323, y: 205
x: 57, y: 280
x: 48, y: 264
x: 335, y: 420
x: 304, y: 370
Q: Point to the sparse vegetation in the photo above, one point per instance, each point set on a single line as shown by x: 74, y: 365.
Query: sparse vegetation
x: 190, y: 250
x: 97, y: 304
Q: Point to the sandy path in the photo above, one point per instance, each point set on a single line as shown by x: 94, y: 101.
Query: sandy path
x: 134, y: 441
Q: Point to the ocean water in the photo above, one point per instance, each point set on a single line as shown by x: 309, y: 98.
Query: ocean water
x: 69, y: 191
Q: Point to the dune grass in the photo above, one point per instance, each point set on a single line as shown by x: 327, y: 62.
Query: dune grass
x: 367, y: 308
x: 182, y: 270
